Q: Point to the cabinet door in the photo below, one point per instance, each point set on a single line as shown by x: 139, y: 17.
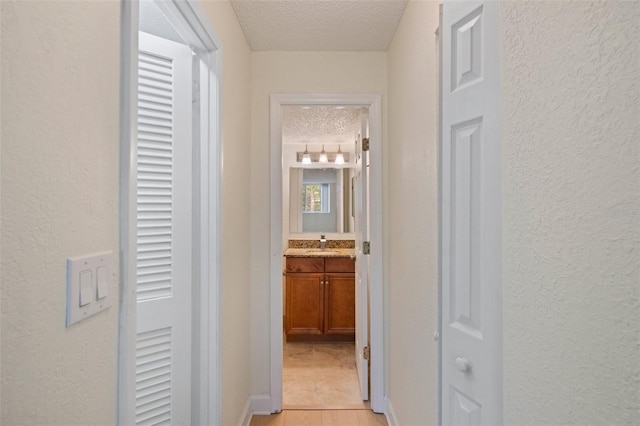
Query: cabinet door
x: 305, y: 304
x: 340, y: 302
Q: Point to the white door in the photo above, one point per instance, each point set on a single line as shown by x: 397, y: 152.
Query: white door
x: 471, y: 216
x: 362, y: 260
x: 163, y: 334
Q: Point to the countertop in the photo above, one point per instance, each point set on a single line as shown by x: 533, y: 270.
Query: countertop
x: 317, y: 252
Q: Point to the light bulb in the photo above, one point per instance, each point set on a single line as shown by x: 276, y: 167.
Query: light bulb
x: 323, y: 156
x: 339, y: 156
x: 306, y: 158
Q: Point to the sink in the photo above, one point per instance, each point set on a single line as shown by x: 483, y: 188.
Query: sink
x: 321, y: 251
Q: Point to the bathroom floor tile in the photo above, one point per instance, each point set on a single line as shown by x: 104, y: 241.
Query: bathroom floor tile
x: 320, y: 374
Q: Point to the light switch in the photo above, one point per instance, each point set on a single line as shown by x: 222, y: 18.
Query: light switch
x: 86, y: 287
x: 102, y: 282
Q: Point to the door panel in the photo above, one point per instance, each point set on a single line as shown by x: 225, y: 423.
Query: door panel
x: 163, y: 321
x: 471, y: 216
x: 362, y: 260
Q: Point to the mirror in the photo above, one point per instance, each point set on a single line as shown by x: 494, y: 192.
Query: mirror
x: 317, y: 196
x: 320, y: 200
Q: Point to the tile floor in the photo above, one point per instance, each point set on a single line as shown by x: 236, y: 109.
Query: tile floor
x: 320, y: 375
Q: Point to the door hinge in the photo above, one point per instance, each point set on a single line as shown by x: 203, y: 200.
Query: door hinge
x: 366, y: 353
x: 365, y: 144
x: 195, y: 91
x: 366, y: 247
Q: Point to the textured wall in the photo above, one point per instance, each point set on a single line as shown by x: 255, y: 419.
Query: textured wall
x: 236, y: 140
x: 291, y: 72
x: 571, y: 126
x: 60, y: 140
x: 413, y: 217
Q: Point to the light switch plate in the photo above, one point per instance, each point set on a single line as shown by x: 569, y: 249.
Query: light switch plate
x: 82, y: 295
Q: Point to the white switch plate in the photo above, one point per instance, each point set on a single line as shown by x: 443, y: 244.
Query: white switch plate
x: 91, y: 304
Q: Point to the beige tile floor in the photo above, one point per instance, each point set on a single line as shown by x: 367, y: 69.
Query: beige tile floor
x: 320, y: 375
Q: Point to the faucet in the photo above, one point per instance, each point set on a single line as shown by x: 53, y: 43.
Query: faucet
x: 323, y: 242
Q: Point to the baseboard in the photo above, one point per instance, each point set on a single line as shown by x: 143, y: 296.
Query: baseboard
x: 392, y: 419
x: 245, y: 417
x: 256, y: 404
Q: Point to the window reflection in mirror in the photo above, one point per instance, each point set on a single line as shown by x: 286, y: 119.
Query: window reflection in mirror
x: 315, y: 198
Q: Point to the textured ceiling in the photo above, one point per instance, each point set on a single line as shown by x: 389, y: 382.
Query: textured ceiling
x: 319, y: 25
x: 320, y: 125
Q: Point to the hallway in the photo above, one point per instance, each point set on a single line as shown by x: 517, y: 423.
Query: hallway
x: 569, y: 204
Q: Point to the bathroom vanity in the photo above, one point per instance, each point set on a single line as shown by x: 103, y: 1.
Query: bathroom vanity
x: 320, y: 295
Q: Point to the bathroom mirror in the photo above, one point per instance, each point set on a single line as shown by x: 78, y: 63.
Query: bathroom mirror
x: 320, y: 200
x: 317, y: 197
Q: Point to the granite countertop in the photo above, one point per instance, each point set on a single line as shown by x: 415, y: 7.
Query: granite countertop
x: 318, y: 252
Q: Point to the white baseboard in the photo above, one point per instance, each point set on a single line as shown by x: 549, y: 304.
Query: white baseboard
x: 245, y: 417
x: 392, y: 419
x: 256, y: 404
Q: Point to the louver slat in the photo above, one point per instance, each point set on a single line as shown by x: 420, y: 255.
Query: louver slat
x: 153, y: 377
x: 154, y: 234
x: 155, y: 177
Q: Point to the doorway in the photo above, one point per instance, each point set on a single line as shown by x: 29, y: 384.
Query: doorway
x: 170, y: 146
x: 320, y: 155
x: 372, y: 286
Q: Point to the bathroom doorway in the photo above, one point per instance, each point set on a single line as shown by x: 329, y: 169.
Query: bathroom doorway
x: 321, y: 149
x: 320, y: 370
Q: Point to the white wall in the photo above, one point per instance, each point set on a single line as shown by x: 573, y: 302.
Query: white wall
x: 60, y: 142
x: 60, y: 128
x: 291, y: 72
x: 571, y: 126
x: 236, y: 139
x: 413, y: 217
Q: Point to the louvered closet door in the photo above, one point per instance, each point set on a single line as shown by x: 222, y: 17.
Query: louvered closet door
x: 163, y: 341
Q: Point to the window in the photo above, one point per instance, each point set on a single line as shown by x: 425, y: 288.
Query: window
x: 316, y: 198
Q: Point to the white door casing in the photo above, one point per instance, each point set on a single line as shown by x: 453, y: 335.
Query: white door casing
x: 362, y: 261
x: 194, y: 27
x: 471, y: 250
x: 273, y: 401
x: 164, y: 230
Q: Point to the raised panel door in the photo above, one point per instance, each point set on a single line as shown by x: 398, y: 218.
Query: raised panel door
x: 471, y: 215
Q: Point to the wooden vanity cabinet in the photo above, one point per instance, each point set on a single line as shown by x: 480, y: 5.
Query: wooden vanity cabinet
x: 305, y: 304
x: 340, y: 296
x: 320, y: 299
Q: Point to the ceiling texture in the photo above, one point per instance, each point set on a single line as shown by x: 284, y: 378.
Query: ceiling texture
x: 329, y: 125
x: 319, y: 25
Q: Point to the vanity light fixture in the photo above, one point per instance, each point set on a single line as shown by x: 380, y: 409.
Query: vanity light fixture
x: 306, y: 158
x: 339, y: 156
x: 323, y: 156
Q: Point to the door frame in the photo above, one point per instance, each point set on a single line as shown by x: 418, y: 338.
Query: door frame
x: 192, y: 24
x: 440, y: 70
x: 376, y: 306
